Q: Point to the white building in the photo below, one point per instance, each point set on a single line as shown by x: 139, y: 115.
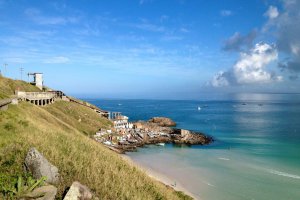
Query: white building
x: 37, y: 80
x: 120, y: 121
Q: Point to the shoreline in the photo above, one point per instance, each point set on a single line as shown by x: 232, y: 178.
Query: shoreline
x: 166, y: 180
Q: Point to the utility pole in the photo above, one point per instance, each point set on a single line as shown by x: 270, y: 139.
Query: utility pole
x: 21, y: 71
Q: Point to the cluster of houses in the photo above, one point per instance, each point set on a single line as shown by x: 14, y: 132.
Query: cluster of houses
x: 120, y: 121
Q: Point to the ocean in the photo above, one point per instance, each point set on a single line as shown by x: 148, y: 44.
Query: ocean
x: 256, y: 153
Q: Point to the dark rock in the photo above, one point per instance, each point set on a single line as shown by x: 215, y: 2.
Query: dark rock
x: 181, y: 136
x: 38, y: 166
x: 163, y: 121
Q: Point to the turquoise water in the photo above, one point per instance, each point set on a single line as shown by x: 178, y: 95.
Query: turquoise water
x: 257, y: 150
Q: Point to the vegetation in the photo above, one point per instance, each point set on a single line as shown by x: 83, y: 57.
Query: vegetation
x: 20, y: 187
x: 8, y: 87
x: 59, y: 131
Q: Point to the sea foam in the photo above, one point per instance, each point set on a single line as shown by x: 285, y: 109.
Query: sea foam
x: 221, y: 158
x: 279, y: 173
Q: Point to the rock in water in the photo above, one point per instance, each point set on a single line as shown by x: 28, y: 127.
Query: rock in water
x: 78, y: 191
x: 38, y: 166
x: 162, y: 121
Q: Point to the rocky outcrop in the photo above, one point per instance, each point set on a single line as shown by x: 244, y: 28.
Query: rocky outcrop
x: 178, y: 136
x: 78, y: 191
x: 181, y: 136
x: 38, y: 166
x: 150, y: 126
x: 162, y: 121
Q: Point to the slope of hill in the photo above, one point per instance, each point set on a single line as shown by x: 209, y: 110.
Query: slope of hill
x: 60, y: 131
x: 8, y: 87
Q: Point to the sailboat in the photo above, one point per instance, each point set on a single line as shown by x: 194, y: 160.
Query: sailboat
x: 199, y: 108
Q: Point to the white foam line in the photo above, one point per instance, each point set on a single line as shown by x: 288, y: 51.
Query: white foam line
x: 221, y: 158
x: 279, y: 173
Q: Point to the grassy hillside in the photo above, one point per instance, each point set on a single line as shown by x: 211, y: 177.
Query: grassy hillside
x: 59, y: 131
x: 8, y: 87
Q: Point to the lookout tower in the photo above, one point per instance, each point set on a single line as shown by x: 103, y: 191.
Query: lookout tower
x: 37, y: 80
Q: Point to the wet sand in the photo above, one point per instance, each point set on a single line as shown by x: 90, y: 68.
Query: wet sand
x: 167, y: 180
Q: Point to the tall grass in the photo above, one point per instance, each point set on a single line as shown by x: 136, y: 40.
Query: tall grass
x: 8, y: 87
x: 59, y: 132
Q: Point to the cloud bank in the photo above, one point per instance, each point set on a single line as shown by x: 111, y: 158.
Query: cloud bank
x: 250, y: 68
x: 287, y: 25
x: 272, y: 12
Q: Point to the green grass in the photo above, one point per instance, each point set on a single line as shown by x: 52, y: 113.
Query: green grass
x: 8, y: 87
x: 79, y: 117
x: 59, y: 131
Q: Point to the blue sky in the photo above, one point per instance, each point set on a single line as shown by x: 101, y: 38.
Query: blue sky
x: 171, y: 49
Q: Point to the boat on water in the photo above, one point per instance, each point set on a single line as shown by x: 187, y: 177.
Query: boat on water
x: 160, y: 144
x: 199, y: 108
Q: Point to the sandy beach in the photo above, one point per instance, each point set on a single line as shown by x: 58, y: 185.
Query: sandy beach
x: 160, y: 177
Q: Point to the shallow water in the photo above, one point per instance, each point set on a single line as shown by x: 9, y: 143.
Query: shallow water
x: 257, y: 150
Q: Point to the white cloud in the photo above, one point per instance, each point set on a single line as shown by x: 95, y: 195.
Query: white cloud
x: 36, y: 16
x: 57, y: 60
x: 15, y: 60
x: 184, y: 30
x: 272, y: 12
x: 226, y: 13
x: 287, y: 30
x: 150, y: 27
x: 171, y: 38
x: 250, y: 68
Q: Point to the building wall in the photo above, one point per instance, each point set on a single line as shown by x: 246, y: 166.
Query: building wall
x: 39, y: 81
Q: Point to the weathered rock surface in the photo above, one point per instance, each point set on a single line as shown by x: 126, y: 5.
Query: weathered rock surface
x: 178, y: 136
x: 47, y: 192
x: 150, y: 126
x: 39, y: 166
x: 78, y: 191
x: 163, y: 121
x: 181, y: 136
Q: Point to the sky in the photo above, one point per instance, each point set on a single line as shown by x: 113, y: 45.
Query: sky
x: 153, y: 49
